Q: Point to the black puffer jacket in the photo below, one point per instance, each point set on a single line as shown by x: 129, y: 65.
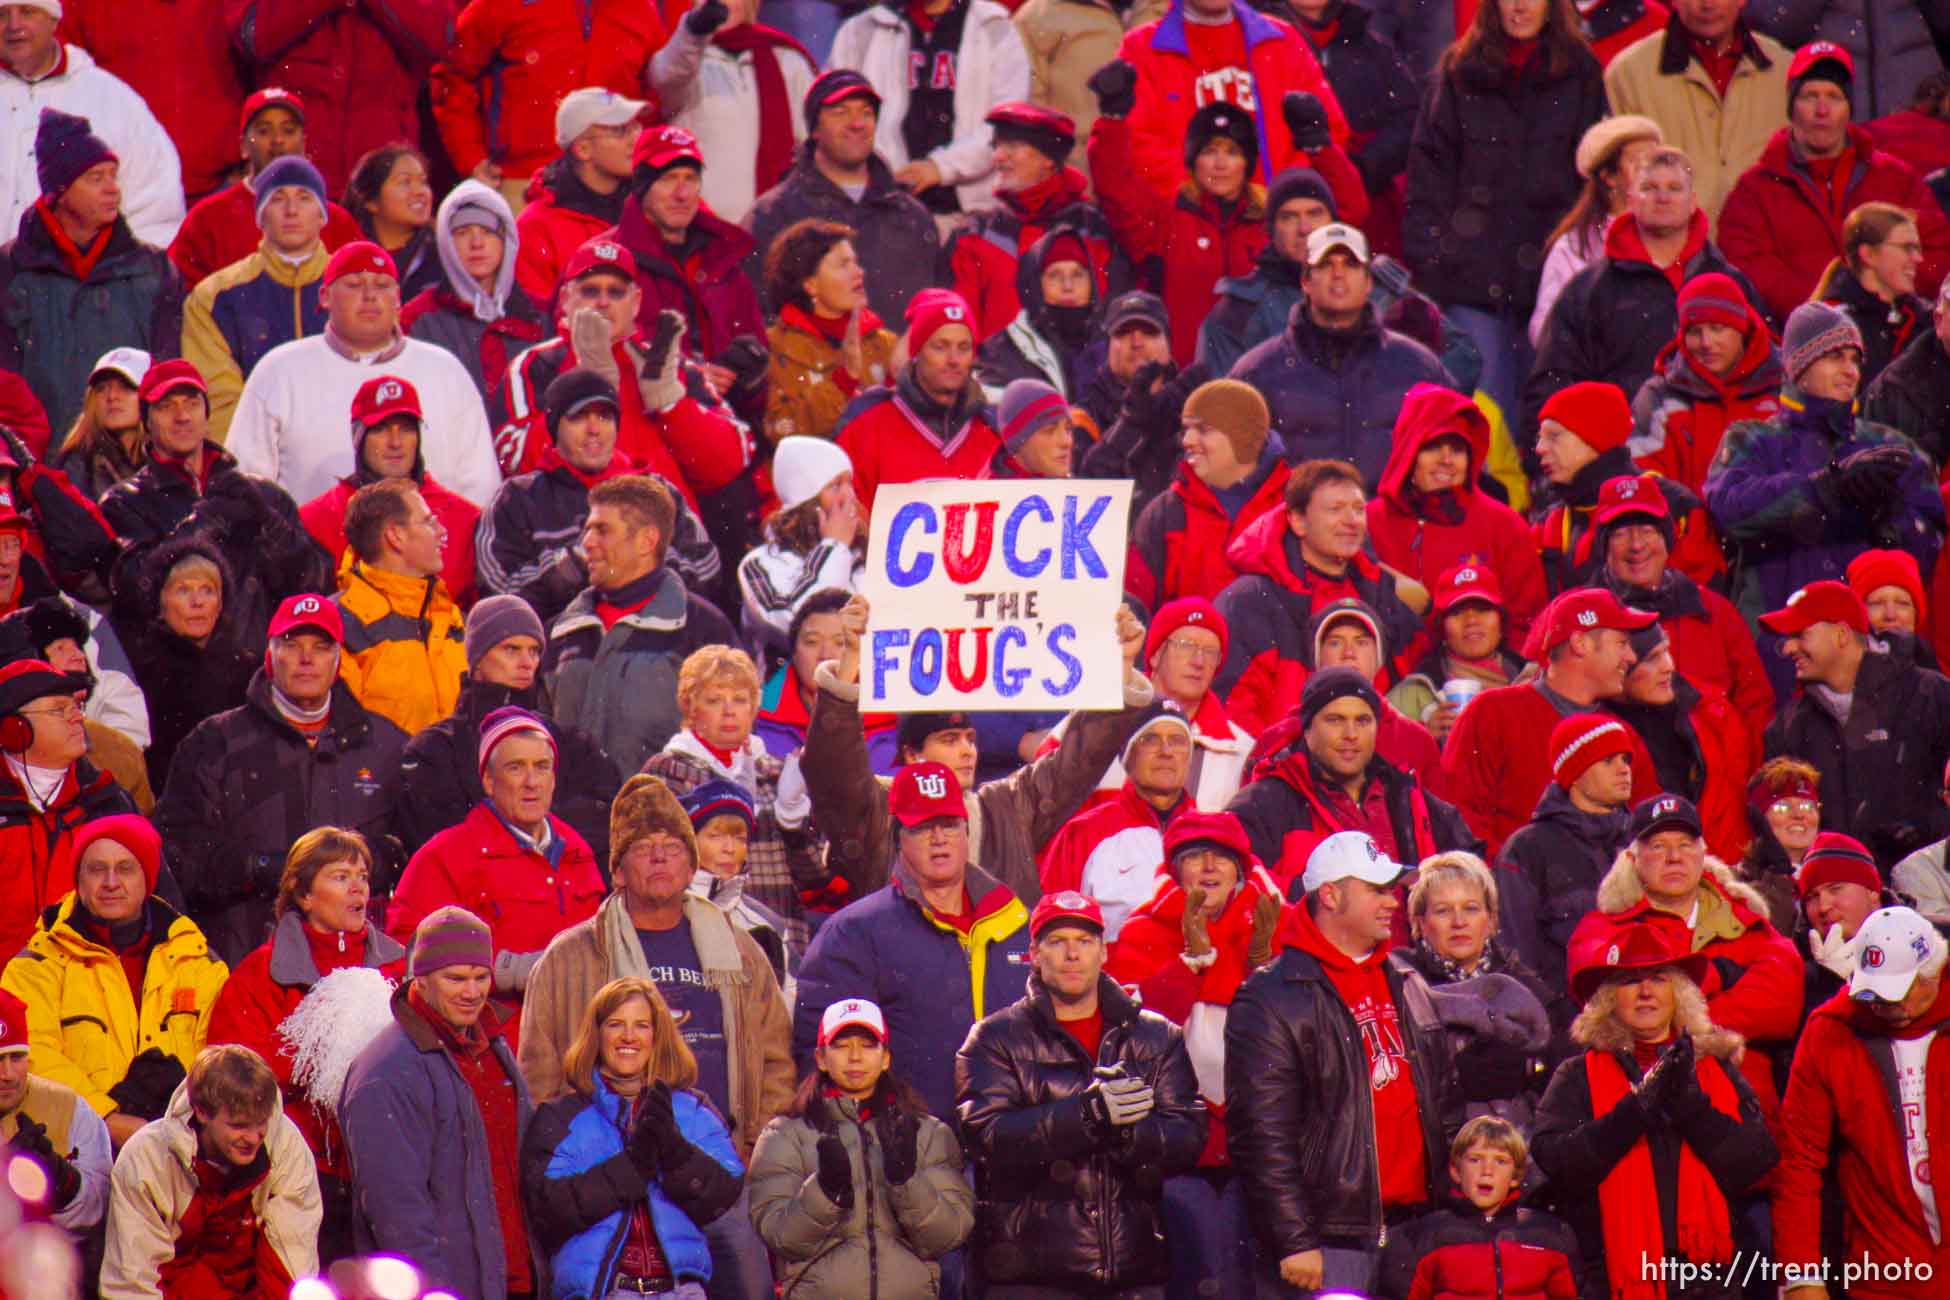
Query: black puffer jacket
x: 1053, y: 351
x: 252, y: 522
x: 245, y: 784
x: 1376, y: 89
x: 1913, y: 394
x: 440, y: 774
x: 1300, y: 1104
x: 183, y: 682
x: 1335, y: 394
x: 1887, y: 327
x: 1061, y: 1199
x: 1475, y: 226
x: 1551, y: 866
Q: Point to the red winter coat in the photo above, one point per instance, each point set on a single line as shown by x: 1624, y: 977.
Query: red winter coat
x: 1178, y: 547
x: 525, y: 899
x: 22, y: 412
x: 221, y: 1249
x: 889, y: 442
x: 512, y: 61
x: 324, y: 518
x: 1615, y: 24
x: 1713, y: 648
x: 1489, y: 533
x: 1496, y: 764
x: 711, y: 288
x: 1919, y: 139
x: 561, y: 217
x: 222, y: 228
x: 1126, y: 836
x: 1782, y: 229
x: 37, y: 848
x: 1170, y: 89
x: 267, y: 986
x: 1841, y: 1118
x: 178, y: 58
x: 357, y: 64
x: 982, y: 257
x: 1682, y: 412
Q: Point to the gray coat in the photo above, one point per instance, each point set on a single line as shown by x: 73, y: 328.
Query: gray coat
x: 1890, y: 41
x: 423, y: 1183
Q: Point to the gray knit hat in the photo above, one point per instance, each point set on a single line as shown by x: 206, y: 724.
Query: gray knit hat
x: 1813, y: 331
x: 494, y: 620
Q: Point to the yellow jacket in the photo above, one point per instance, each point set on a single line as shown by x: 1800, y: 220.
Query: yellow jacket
x: 236, y: 315
x: 83, y: 1025
x: 404, y: 644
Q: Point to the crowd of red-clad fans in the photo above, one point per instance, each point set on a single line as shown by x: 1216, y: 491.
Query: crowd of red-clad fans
x: 444, y: 847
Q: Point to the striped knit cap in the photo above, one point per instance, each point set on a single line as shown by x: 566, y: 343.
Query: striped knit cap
x: 506, y: 721
x: 451, y: 936
x: 1583, y: 740
x: 1813, y: 331
x: 1713, y: 299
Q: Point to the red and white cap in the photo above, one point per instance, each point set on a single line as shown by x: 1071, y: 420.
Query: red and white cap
x: 1065, y: 905
x: 1583, y: 740
x: 922, y: 792
x: 13, y: 1025
x: 599, y: 254
x: 658, y: 147
x: 361, y: 256
x: 1585, y: 609
x: 319, y: 613
x: 384, y: 396
x: 1467, y: 581
x: 269, y: 97
x: 852, y: 1013
x: 1826, y: 601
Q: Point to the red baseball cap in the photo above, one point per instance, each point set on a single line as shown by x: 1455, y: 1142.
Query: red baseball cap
x: 165, y: 376
x: 1465, y: 582
x: 658, y: 147
x: 1629, y: 494
x: 1814, y: 52
x: 384, y: 396
x: 1066, y: 905
x: 320, y: 613
x: 358, y: 256
x: 269, y: 97
x: 1586, y: 609
x: 922, y: 792
x: 598, y: 254
x: 13, y: 1024
x: 1827, y: 601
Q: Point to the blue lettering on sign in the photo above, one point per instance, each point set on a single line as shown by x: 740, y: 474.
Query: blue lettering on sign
x: 914, y: 513
x: 1057, y: 635
x: 924, y: 669
x: 1077, y: 547
x: 885, y: 642
x: 1035, y: 564
x: 1009, y: 681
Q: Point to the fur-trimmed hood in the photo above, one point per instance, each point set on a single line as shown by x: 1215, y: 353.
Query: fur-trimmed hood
x: 1621, y: 890
x: 1609, y: 1036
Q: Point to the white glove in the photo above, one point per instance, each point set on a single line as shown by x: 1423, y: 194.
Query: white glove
x: 792, y: 805
x: 1832, y: 951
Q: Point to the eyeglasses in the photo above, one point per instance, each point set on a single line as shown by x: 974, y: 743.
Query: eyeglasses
x: 606, y: 292
x: 66, y: 711
x: 1788, y: 807
x: 1195, y: 651
x: 657, y: 850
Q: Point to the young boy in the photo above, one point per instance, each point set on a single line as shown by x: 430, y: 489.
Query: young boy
x: 1483, y: 1243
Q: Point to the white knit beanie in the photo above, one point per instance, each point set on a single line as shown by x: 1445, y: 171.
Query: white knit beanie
x: 803, y: 466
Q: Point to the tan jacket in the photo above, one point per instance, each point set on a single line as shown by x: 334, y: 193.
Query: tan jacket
x: 801, y: 397
x: 757, y: 1023
x: 1067, y: 41
x: 1722, y: 137
x: 155, y: 1180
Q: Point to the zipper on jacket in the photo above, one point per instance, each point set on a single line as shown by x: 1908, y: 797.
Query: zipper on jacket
x: 873, y: 1237
x: 1496, y: 1259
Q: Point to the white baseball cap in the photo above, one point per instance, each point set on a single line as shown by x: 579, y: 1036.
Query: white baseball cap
x: 1890, y: 948
x: 852, y: 1013
x: 1333, y: 235
x: 592, y: 106
x: 1349, y: 853
x: 130, y: 363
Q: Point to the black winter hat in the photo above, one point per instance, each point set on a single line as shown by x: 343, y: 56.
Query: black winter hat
x: 48, y: 620
x: 1298, y: 183
x: 64, y: 148
x: 571, y: 391
x: 1228, y: 120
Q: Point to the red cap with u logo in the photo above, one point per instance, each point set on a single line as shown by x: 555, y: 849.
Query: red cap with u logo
x: 320, y: 613
x: 924, y: 791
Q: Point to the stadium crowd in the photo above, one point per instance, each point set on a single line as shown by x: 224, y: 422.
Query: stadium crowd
x: 442, y: 827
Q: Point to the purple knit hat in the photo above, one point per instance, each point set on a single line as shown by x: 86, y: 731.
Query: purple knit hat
x: 1813, y: 331
x: 64, y: 148
x: 452, y: 936
x: 1027, y: 406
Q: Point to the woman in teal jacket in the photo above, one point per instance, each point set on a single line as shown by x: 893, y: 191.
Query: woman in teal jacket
x: 621, y: 1174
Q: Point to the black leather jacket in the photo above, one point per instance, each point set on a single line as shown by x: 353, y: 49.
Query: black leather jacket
x: 1062, y: 1199
x: 1300, y: 1107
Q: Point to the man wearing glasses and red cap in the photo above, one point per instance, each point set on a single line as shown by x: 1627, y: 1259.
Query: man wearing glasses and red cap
x: 1876, y: 726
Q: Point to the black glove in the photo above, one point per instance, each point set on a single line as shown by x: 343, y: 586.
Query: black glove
x: 835, y: 1171
x: 654, y: 1141
x: 1666, y: 1082
x: 1146, y: 406
x: 1870, y: 476
x: 707, y: 18
x: 900, y: 1137
x: 63, y: 1178
x: 1825, y: 486
x: 22, y: 457
x: 148, y: 1084
x: 1115, y: 86
x: 1492, y: 1071
x: 748, y: 358
x: 1306, y: 120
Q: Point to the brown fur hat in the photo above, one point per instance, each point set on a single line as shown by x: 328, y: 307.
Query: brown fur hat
x: 643, y: 807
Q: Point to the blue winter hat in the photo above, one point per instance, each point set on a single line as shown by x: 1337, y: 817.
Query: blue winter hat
x: 64, y: 148
x: 287, y: 171
x: 719, y: 798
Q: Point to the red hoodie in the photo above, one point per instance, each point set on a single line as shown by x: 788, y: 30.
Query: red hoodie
x: 1424, y: 538
x: 1363, y: 986
x: 1688, y: 408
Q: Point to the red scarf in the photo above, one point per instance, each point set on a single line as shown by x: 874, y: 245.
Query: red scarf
x: 81, y: 261
x: 830, y: 328
x: 775, y: 142
x: 1624, y: 243
x: 1628, y: 1199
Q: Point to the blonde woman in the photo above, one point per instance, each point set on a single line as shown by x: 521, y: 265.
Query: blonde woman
x: 622, y: 1172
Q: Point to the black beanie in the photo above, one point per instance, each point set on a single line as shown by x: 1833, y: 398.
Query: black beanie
x: 1298, y: 183
x: 1228, y: 120
x: 572, y: 390
x: 1331, y: 684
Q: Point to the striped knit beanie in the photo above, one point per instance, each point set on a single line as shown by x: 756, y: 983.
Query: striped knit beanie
x: 1713, y: 299
x: 1583, y: 740
x: 452, y: 936
x: 506, y: 721
x: 1813, y: 331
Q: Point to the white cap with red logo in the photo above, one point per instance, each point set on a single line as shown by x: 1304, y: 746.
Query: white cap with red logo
x: 852, y: 1013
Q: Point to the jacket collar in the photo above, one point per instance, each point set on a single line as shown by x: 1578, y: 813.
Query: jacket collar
x: 1676, y: 49
x: 293, y: 275
x: 1170, y: 35
x: 881, y: 187
x: 1116, y: 1006
x: 402, y: 592
x: 346, y: 726
x: 291, y: 961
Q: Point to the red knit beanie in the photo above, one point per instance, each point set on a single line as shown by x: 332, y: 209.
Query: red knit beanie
x: 930, y: 310
x: 1583, y: 740
x: 1598, y: 413
x: 1833, y: 859
x: 1873, y: 569
x: 130, y: 830
x: 1713, y: 299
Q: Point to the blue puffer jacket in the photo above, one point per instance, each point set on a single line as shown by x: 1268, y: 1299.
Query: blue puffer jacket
x: 581, y: 1187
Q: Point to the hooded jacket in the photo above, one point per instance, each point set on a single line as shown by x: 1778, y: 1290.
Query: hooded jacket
x: 86, y: 1025
x: 162, y: 1185
x: 984, y: 256
x: 1066, y: 1200
x: 238, y: 313
x: 1042, y: 341
x: 37, y: 845
x: 1782, y: 227
x: 1300, y: 1112
x: 1335, y: 394
x: 404, y: 655
x: 1550, y: 869
x: 324, y: 518
x: 1681, y: 413
x: 1614, y: 317
x: 1425, y: 539
x: 562, y: 214
x: 245, y: 784
x: 1458, y: 1250
x: 1178, y: 547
